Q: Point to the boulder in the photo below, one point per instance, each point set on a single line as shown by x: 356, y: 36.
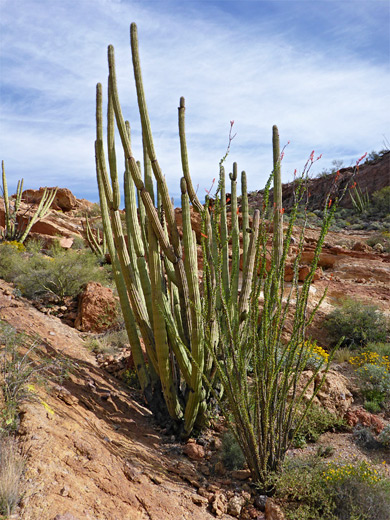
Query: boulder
x: 361, y: 416
x: 64, y: 199
x: 333, y: 395
x: 194, y: 451
x: 97, y: 309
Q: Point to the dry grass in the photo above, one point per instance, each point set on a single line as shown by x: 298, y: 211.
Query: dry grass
x: 342, y: 355
x: 11, y: 469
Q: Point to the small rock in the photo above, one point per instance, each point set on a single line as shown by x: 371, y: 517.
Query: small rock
x: 235, y: 505
x: 273, y: 511
x: 64, y: 491
x: 360, y: 416
x: 194, y: 451
x: 199, y: 500
x: 260, y: 502
x: 155, y: 479
x: 379, y: 247
x: 66, y: 396
x: 219, y: 504
x: 216, y: 443
x: 204, y: 493
x: 241, y: 474
x: 360, y: 246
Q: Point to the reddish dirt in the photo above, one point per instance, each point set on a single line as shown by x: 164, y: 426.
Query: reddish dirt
x: 98, y: 455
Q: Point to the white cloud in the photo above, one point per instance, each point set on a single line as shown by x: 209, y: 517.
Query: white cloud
x: 257, y: 74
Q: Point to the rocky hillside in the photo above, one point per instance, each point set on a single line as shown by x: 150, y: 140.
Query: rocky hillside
x: 93, y: 450
x: 370, y: 177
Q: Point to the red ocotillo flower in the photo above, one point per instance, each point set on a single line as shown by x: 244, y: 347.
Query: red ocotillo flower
x: 361, y: 158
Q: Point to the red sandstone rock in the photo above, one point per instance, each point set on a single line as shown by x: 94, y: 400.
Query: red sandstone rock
x: 96, y: 309
x: 360, y: 416
x: 194, y: 451
x: 64, y: 199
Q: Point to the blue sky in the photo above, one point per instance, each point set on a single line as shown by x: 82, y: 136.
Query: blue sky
x: 319, y: 69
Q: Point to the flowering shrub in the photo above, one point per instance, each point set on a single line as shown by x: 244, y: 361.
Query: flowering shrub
x: 373, y: 370
x: 374, y: 379
x: 14, y: 243
x: 317, y: 356
x: 310, y: 488
x: 372, y: 358
x: 362, y: 472
x: 313, y: 355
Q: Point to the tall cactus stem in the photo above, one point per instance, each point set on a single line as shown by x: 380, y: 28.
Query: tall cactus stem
x: 277, y: 192
x: 184, y: 158
x: 245, y: 217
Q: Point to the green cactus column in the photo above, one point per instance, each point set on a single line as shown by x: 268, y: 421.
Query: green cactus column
x: 278, y: 207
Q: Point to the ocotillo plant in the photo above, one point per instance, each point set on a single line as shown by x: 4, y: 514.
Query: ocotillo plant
x: 156, y: 271
x: 14, y: 230
x: 260, y: 367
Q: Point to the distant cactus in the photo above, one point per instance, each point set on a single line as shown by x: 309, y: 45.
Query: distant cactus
x: 14, y: 229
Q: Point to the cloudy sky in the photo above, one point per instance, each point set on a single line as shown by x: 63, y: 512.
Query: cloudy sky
x: 319, y: 69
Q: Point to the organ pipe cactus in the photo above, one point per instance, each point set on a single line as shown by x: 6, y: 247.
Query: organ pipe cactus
x: 15, y: 229
x: 156, y: 267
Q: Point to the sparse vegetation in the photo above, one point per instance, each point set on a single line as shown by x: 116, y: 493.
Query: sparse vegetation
x: 12, y: 465
x: 231, y: 453
x: 17, y: 372
x: 357, y: 323
x: 318, y: 420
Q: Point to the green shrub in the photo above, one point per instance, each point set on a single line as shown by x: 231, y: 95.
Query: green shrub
x: 10, y: 260
x: 62, y: 273
x: 78, y: 243
x: 342, y: 355
x: 318, y: 420
x: 372, y: 406
x: 381, y: 200
x: 382, y: 238
x: 374, y: 382
x: 365, y: 438
x: 232, y: 455
x: 358, y: 491
x: 384, y: 436
x: 357, y: 323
